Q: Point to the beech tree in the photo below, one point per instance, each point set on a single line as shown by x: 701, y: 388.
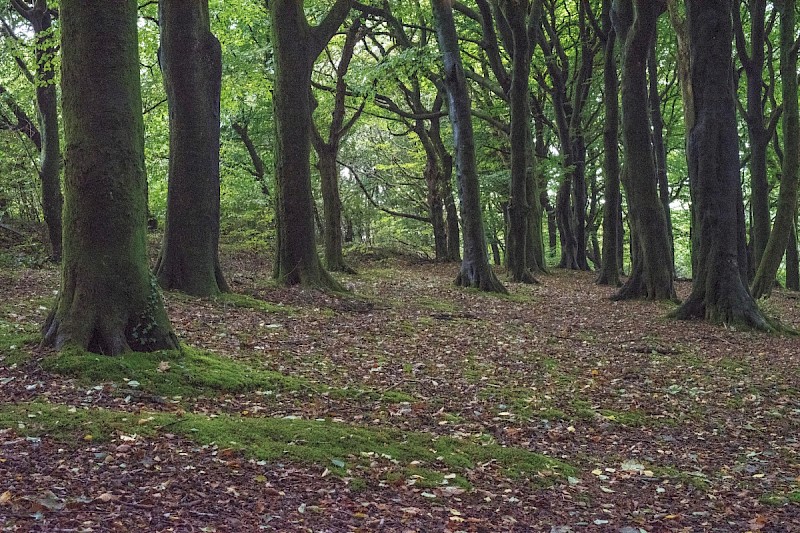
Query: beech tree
x: 651, y: 272
x: 612, y: 208
x: 109, y: 302
x: 296, y: 46
x: 40, y: 16
x: 786, y: 214
x: 719, y: 292
x: 475, y: 270
x: 191, y: 61
x: 327, y: 149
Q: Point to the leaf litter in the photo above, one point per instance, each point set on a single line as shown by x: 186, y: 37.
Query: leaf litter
x: 669, y: 426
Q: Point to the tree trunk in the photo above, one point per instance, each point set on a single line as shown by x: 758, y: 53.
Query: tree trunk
x: 786, y: 213
x: 191, y: 61
x: 475, y: 269
x: 296, y: 46
x: 719, y: 292
x: 259, y: 171
x: 109, y: 302
x: 519, y: 209
x: 40, y: 17
x: 332, y: 208
x: 660, y: 148
x: 651, y: 276
x: 453, y: 226
x: 792, y: 262
x: 609, y: 267
x: 759, y: 133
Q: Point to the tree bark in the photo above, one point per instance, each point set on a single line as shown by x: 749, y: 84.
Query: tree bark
x: 758, y: 130
x: 109, y: 302
x: 327, y: 153
x: 719, y: 292
x: 786, y: 213
x: 612, y: 223
x: 475, y: 269
x: 40, y: 17
x: 651, y: 276
x: 296, y: 47
x: 191, y: 61
x: 792, y: 262
x: 659, y: 147
x: 519, y: 208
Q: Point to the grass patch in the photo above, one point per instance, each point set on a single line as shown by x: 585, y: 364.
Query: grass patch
x: 339, y: 447
x: 780, y: 498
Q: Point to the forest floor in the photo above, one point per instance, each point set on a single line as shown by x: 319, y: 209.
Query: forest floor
x: 408, y: 405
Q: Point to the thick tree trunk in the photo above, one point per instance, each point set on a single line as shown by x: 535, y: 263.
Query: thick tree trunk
x: 651, y: 276
x: 191, y: 60
x: 786, y: 213
x: 109, y: 302
x: 475, y: 269
x: 719, y: 292
x: 296, y: 46
x: 609, y: 267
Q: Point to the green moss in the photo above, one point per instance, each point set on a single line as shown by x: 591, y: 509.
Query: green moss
x: 245, y: 301
x: 780, y: 498
x: 633, y: 418
x: 65, y: 424
x: 337, y: 446
x: 16, y: 345
x: 171, y: 373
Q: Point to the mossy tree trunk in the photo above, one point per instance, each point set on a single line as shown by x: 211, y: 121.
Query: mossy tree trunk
x: 296, y: 46
x: 719, y: 292
x: 786, y: 213
x: 40, y: 16
x: 108, y: 303
x: 612, y: 223
x: 327, y: 149
x: 191, y: 61
x: 792, y: 262
x: 651, y: 275
x: 475, y: 270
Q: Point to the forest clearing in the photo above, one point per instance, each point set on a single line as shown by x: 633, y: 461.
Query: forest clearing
x: 443, y: 409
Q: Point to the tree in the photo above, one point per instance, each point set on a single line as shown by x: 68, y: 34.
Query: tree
x: 296, y: 46
x: 719, y: 292
x: 651, y: 273
x: 612, y: 221
x: 475, y: 269
x: 786, y: 214
x: 40, y: 17
x: 327, y: 149
x: 109, y: 302
x: 760, y: 129
x: 191, y: 61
